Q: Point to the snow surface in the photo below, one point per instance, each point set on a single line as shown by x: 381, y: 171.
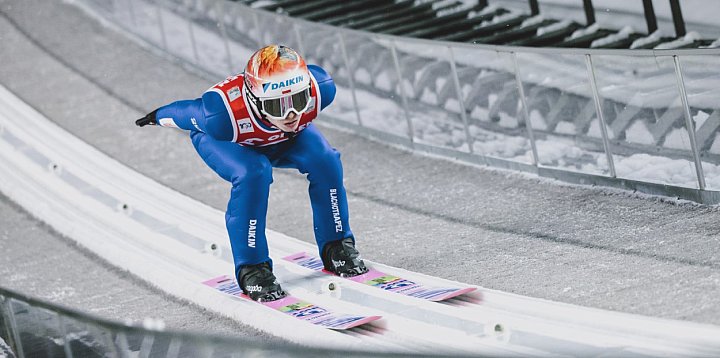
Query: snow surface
x: 624, y: 33
x: 262, y: 3
x: 585, y: 31
x: 685, y: 40
x: 714, y: 44
x: 452, y: 10
x: 655, y: 36
x: 500, y: 18
x: 554, y: 27
x: 486, y: 10
x: 5, y: 351
x: 533, y: 21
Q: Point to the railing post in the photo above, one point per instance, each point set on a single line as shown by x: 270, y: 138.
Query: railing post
x: 173, y: 350
x: 526, y: 112
x: 161, y: 26
x: 689, y: 123
x: 112, y: 347
x: 601, y: 116
x: 220, y: 8
x: 206, y: 351
x: 393, y: 51
x: 12, y: 326
x: 461, y: 99
x: 3, y: 315
x: 534, y: 7
x: 678, y: 18
x: 589, y: 12
x: 123, y: 344
x: 63, y: 331
x: 650, y: 17
x: 146, y: 346
x: 350, y: 75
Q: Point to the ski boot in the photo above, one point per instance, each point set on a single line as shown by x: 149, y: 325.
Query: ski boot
x: 259, y: 283
x: 342, y: 258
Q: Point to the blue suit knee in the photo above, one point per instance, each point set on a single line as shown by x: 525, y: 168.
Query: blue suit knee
x: 250, y: 183
x: 331, y: 158
x: 326, y: 162
x: 256, y: 174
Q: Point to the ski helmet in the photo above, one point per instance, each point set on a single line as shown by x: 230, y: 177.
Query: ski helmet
x: 277, y: 81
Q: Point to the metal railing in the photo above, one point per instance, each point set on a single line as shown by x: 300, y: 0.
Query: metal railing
x: 35, y: 328
x: 638, y: 119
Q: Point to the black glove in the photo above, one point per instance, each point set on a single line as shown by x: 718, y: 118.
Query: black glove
x: 149, y: 119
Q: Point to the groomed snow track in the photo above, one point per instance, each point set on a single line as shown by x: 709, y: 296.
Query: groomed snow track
x: 125, y: 217
x: 168, y: 239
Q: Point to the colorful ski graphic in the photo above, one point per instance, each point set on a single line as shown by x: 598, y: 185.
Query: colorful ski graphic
x: 385, y: 281
x: 296, y: 307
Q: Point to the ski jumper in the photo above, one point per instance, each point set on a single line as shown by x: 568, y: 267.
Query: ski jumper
x: 242, y: 149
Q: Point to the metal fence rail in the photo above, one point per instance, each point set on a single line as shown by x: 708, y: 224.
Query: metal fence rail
x: 36, y: 328
x: 637, y: 119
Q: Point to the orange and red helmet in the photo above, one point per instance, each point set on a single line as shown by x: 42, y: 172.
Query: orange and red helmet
x: 277, y: 81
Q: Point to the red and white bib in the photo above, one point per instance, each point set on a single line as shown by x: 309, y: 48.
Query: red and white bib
x: 247, y: 129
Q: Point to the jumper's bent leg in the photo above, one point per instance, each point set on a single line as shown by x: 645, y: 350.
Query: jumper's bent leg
x: 250, y: 174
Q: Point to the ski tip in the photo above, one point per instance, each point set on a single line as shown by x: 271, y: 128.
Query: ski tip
x: 361, y: 322
x: 217, y: 280
x: 453, y: 294
x: 296, y: 256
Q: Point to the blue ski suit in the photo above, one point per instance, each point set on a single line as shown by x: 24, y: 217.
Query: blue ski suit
x: 243, y: 151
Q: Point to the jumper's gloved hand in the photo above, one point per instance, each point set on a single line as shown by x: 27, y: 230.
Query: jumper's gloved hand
x: 149, y: 119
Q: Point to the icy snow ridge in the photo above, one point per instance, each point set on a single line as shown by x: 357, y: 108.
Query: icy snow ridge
x: 554, y: 27
x: 622, y: 34
x: 655, y: 36
x: 586, y: 31
x: 691, y: 37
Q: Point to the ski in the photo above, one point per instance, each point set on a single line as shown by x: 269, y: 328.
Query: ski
x: 385, y: 281
x: 295, y: 307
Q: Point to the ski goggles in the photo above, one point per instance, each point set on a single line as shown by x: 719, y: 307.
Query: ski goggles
x: 280, y: 107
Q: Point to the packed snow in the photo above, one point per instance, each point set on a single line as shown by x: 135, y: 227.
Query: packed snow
x: 714, y: 44
x: 654, y: 37
x: 486, y: 10
x: 533, y: 21
x: 585, y: 31
x: 554, y: 27
x: 5, y: 351
x: 685, y: 40
x: 624, y: 33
